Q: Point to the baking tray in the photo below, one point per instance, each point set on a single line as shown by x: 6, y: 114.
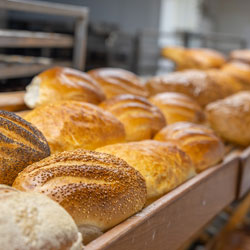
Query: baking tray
x: 170, y: 221
x: 244, y: 180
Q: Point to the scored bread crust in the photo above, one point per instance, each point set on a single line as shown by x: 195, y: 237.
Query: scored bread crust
x: 21, y: 145
x: 68, y: 125
x: 115, y: 81
x: 32, y: 221
x: 178, y: 107
x: 230, y: 118
x: 98, y: 190
x: 61, y: 83
x: 199, y: 142
x: 141, y: 119
x: 163, y: 165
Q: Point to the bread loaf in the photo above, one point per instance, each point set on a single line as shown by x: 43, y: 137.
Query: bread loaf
x: 242, y: 55
x: 202, y: 86
x: 116, y: 81
x: 230, y: 118
x: 69, y: 125
x: 31, y: 221
x: 178, y: 107
x: 98, y: 190
x: 21, y: 145
x: 58, y: 83
x: 195, y: 58
x: 141, y: 119
x: 163, y: 165
x: 199, y: 142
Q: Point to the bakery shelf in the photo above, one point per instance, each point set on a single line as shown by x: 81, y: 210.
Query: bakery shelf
x: 244, y: 182
x: 173, y: 219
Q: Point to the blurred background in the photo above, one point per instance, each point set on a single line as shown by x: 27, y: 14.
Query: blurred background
x: 126, y: 34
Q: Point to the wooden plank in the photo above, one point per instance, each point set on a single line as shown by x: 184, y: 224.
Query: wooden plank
x: 12, y: 101
x: 44, y: 8
x: 28, y: 39
x: 171, y: 220
x: 244, y: 184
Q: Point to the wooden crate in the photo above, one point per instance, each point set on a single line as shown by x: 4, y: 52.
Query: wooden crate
x: 173, y: 219
x: 244, y: 181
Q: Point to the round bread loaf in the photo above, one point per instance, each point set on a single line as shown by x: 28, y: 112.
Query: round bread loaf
x: 58, y: 83
x: 163, y: 165
x: 202, y: 86
x: 21, y: 145
x: 98, y: 190
x: 240, y: 71
x: 116, y: 81
x: 242, y: 55
x: 69, y: 125
x: 230, y: 118
x: 178, y: 107
x: 199, y: 142
x: 31, y: 221
x: 141, y: 119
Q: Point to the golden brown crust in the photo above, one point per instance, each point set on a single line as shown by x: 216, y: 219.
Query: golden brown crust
x: 199, y: 142
x: 97, y: 189
x: 240, y: 71
x: 198, y: 58
x: 61, y: 83
x: 163, y: 165
x: 242, y: 55
x: 178, y: 107
x: 69, y: 125
x: 21, y: 145
x: 141, y: 119
x: 202, y: 86
x: 230, y: 118
x: 31, y: 221
x: 116, y: 81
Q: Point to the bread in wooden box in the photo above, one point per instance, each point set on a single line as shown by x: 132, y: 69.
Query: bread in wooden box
x: 202, y: 86
x: 230, y: 118
x: 69, y: 125
x: 240, y: 71
x: 178, y: 107
x: 141, y: 119
x: 98, y: 190
x: 241, y: 55
x: 115, y: 81
x: 195, y: 58
x: 199, y: 142
x: 21, y: 145
x: 61, y: 83
x: 163, y: 165
x: 33, y: 221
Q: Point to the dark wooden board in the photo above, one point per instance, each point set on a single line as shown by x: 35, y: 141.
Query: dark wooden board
x: 173, y: 219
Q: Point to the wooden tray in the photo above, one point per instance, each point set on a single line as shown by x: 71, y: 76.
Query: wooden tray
x: 172, y: 220
x: 244, y: 181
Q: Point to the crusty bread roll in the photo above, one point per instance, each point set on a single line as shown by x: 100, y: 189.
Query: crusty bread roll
x: 21, y: 145
x: 242, y: 55
x: 178, y: 107
x: 240, y: 71
x: 31, y: 221
x: 141, y: 119
x: 195, y: 58
x: 58, y: 83
x: 199, y: 142
x: 116, y: 81
x: 163, y: 165
x: 230, y: 118
x: 68, y: 125
x: 202, y: 86
x: 98, y: 190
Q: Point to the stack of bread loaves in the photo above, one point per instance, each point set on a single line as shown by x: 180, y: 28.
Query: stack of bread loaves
x: 113, y: 151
